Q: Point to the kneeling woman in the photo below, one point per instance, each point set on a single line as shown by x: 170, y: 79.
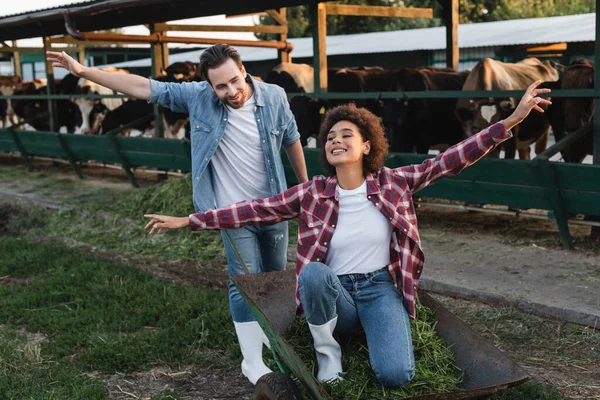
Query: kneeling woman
x: 359, y: 255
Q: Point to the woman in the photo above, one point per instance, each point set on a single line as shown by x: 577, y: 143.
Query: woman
x: 358, y: 243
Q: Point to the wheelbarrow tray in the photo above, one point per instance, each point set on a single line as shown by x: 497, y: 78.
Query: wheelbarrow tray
x: 486, y: 370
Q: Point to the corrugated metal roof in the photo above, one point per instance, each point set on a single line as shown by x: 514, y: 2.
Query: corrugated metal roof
x: 66, y: 5
x: 570, y: 28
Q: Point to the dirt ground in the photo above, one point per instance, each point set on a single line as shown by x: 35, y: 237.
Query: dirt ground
x: 444, y: 230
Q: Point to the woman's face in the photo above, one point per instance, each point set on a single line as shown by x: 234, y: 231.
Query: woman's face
x: 344, y: 145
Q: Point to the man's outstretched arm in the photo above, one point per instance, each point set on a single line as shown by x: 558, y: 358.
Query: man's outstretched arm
x: 133, y: 85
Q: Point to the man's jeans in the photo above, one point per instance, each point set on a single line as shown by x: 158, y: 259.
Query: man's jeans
x: 264, y: 249
x: 368, y: 301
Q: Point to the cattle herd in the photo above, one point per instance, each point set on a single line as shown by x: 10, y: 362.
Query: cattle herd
x: 412, y: 125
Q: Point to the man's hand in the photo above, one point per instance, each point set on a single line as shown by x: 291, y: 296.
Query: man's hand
x: 161, y: 222
x: 63, y: 60
x: 528, y: 102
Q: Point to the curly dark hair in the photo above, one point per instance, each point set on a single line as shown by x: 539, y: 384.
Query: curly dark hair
x: 217, y: 55
x: 369, y: 127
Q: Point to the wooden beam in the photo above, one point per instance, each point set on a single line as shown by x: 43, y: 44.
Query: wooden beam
x: 81, y: 54
x: 452, y: 52
x: 50, y: 87
x: 280, y: 19
x: 112, y: 38
x: 30, y: 49
x: 550, y: 47
x: 258, y: 14
x: 16, y: 60
x: 277, y: 29
x: 284, y: 55
x: 378, y: 11
x: 318, y: 20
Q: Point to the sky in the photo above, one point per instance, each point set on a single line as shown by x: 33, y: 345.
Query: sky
x: 15, y: 7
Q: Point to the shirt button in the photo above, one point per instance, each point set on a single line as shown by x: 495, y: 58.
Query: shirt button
x: 391, y: 219
x: 197, y: 126
x: 333, y: 226
x: 224, y: 119
x: 325, y: 243
x: 405, y: 230
x: 377, y: 204
x: 263, y: 141
x: 310, y: 225
x: 368, y: 197
x: 258, y: 119
x: 318, y: 259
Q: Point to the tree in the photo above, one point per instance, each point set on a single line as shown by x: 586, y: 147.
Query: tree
x: 470, y: 11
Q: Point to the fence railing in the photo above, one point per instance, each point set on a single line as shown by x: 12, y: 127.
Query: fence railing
x: 559, y: 188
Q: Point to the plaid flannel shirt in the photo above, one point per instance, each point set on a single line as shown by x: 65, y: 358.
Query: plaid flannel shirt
x: 316, y: 205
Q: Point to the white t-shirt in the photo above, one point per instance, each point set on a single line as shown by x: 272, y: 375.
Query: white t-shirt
x: 238, y: 165
x: 361, y: 241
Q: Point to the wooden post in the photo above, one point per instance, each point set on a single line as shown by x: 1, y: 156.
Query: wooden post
x: 596, y: 140
x: 158, y: 66
x: 50, y: 90
x: 318, y: 20
x: 452, y: 52
x: 16, y: 60
x: 81, y: 54
x: 597, y: 88
x: 284, y: 55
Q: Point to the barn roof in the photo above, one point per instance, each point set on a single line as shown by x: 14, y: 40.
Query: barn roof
x: 571, y: 28
x: 108, y: 14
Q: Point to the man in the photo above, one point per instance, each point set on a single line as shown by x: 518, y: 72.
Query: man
x: 238, y: 127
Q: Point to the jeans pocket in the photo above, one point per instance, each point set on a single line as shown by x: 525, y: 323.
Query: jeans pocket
x: 382, y: 278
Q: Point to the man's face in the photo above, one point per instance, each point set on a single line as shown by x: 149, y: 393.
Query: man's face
x: 229, y: 83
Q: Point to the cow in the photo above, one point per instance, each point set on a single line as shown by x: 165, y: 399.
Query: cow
x: 183, y: 71
x: 567, y: 115
x: 174, y: 123
x: 293, y: 78
x: 490, y: 74
x: 416, y: 125
x: 87, y: 106
x: 8, y: 84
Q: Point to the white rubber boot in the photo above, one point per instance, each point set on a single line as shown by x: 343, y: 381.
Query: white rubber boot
x: 250, y: 336
x: 329, y: 352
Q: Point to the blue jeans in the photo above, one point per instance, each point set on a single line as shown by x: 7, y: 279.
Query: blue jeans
x: 264, y: 249
x: 363, y: 301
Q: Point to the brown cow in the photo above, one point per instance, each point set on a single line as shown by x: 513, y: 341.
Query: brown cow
x: 567, y: 115
x: 489, y: 74
x: 8, y: 84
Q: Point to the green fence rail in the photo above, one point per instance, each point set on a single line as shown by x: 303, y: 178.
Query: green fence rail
x: 559, y: 188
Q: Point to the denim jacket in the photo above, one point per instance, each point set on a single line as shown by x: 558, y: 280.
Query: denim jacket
x: 208, y: 118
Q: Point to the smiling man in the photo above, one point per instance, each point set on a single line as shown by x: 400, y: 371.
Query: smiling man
x: 238, y: 128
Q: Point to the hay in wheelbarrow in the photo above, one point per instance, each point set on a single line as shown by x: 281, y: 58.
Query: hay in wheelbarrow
x: 485, y: 370
x: 435, y: 366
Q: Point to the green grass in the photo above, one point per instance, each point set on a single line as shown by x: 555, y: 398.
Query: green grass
x: 111, y: 317
x: 112, y: 220
x: 27, y: 373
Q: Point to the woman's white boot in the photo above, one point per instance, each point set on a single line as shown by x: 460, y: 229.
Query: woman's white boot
x: 329, y: 352
x: 251, y: 338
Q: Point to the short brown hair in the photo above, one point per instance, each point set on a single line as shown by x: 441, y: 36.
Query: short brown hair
x: 217, y: 55
x: 369, y: 127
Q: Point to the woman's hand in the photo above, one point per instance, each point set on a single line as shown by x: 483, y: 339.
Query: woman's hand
x: 161, y: 222
x: 528, y: 102
x: 63, y: 60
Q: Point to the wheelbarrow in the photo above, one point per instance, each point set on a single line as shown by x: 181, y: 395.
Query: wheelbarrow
x: 271, y: 298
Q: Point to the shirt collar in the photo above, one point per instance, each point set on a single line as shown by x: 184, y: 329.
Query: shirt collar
x: 331, y: 185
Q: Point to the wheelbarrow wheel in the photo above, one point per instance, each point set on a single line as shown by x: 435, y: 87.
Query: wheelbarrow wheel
x: 276, y: 386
